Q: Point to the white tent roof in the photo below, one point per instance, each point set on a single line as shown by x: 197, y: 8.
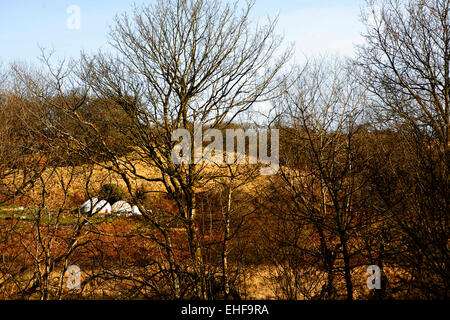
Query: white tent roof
x: 136, y: 211
x: 122, y: 207
x: 101, y: 206
x: 87, y: 206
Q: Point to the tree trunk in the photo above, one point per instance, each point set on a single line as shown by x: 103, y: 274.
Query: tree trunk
x: 347, y: 267
x: 195, y: 248
x: 226, y: 287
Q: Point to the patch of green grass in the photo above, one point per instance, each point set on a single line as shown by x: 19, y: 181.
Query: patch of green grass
x: 51, y: 217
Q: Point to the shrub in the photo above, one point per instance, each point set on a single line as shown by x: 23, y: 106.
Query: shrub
x: 112, y: 193
x: 141, y: 194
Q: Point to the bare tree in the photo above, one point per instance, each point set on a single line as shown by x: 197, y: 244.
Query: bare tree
x: 21, y: 162
x: 180, y: 64
x: 405, y: 62
x: 405, y: 65
x: 324, y: 159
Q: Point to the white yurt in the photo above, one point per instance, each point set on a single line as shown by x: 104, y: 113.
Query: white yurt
x: 136, y: 211
x: 122, y: 207
x: 100, y: 206
x: 87, y: 206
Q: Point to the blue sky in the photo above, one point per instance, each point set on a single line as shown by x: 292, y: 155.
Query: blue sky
x: 315, y: 26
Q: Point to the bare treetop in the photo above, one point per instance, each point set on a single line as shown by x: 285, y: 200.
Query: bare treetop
x: 190, y: 61
x: 406, y: 60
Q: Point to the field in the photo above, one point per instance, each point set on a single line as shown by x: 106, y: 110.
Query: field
x: 355, y: 204
x: 124, y: 258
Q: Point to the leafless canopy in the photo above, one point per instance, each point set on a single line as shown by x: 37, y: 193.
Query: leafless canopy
x: 188, y: 61
x: 406, y: 61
